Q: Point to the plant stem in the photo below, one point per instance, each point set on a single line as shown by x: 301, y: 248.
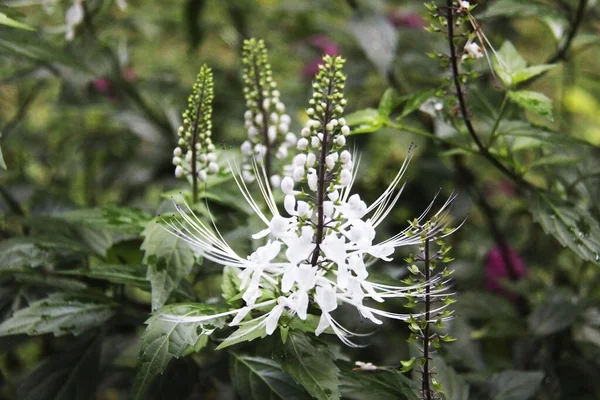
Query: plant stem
x: 425, y: 384
x: 463, y: 105
x: 195, y: 140
x: 561, y: 54
x: 321, y: 173
x: 265, y: 117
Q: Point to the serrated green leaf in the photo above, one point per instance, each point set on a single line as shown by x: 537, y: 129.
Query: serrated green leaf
x: 22, y: 252
x: 572, y: 226
x: 256, y: 378
x: 380, y: 385
x: 533, y: 101
x: 168, y: 338
x: 555, y: 314
x: 59, y: 314
x: 365, y: 121
x: 530, y: 72
x: 245, y: 333
x: 311, y: 365
x: 515, y: 385
x: 7, y: 21
x: 71, y: 374
x: 508, y: 62
x: 168, y: 258
x: 230, y: 287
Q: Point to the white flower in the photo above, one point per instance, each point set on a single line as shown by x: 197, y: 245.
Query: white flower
x: 473, y: 50
x: 464, y: 5
x: 74, y: 17
x: 365, y: 366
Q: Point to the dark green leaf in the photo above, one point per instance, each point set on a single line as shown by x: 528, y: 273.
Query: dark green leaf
x: 365, y: 121
x: 115, y: 219
x: 517, y: 132
x: 59, y: 314
x: 68, y: 375
x: 388, y: 102
x: 533, y: 101
x: 556, y: 314
x: 22, y: 252
x: 380, y: 385
x: 311, y: 365
x: 126, y: 274
x: 168, y: 338
x: 453, y: 385
x: 169, y: 259
x: 515, y: 385
x: 256, y: 378
x: 413, y: 101
x: 512, y: 68
x: 572, y: 226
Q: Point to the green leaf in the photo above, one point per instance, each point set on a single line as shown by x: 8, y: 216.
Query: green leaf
x: 518, y: 8
x: 169, y: 259
x: 311, y: 365
x: 59, y: 314
x: 125, y: 274
x: 524, y: 135
x: 33, y: 45
x: 555, y: 160
x: 380, y: 385
x: 572, y: 226
x: 71, y: 374
x: 533, y: 101
x: 230, y: 287
x: 512, y: 68
x: 515, y: 385
x: 22, y: 252
x: 256, y: 378
x: 507, y: 62
x: 529, y: 72
x: 555, y: 314
x: 115, y: 219
x: 245, y: 333
x: 388, y: 102
x: 453, y: 385
x: 413, y: 101
x: 365, y: 121
x: 6, y: 20
x: 168, y: 338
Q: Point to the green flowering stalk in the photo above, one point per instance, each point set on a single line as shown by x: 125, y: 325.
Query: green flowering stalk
x: 266, y: 123
x: 194, y: 157
x: 427, y: 325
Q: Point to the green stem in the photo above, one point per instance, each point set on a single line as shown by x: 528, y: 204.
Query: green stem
x: 493, y: 134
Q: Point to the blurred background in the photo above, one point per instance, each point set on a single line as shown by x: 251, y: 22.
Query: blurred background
x: 89, y: 113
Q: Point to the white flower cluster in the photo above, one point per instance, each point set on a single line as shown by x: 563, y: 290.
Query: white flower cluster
x: 473, y: 50
x: 195, y: 151
x: 265, y: 120
x: 319, y: 253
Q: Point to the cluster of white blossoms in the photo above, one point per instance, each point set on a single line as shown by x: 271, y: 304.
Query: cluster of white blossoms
x: 315, y: 257
x: 265, y: 120
x: 195, y: 151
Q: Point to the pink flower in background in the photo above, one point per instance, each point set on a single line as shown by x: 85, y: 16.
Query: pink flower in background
x: 408, y: 20
x: 496, y: 270
x: 106, y: 86
x: 102, y: 85
x: 325, y: 46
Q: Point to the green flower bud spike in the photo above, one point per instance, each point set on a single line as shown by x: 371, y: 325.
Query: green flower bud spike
x: 194, y: 157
